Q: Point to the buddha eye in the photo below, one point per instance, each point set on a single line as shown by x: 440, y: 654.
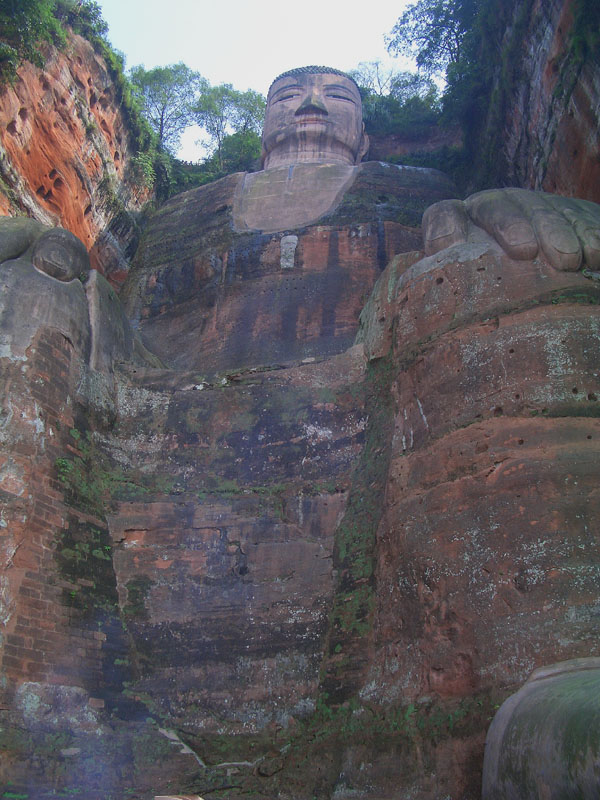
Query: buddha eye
x: 336, y: 96
x: 289, y: 96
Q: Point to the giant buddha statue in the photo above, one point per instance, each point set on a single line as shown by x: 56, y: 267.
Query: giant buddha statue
x: 280, y: 509
x: 274, y: 266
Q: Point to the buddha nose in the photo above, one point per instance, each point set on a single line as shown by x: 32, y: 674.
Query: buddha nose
x: 311, y: 103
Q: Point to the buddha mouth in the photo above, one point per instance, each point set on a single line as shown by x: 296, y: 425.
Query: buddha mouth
x: 311, y: 119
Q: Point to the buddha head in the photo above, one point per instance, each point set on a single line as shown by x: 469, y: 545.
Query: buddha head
x: 61, y: 255
x: 314, y: 114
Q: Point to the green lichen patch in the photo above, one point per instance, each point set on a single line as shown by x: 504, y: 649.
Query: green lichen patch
x: 306, y: 759
x: 138, y: 589
x: 355, y: 540
x: 84, y: 558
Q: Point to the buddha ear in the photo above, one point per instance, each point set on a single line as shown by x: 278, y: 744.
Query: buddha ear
x: 363, y: 147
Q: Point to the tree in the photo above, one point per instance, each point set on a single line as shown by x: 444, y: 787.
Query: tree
x: 394, y: 101
x: 373, y: 77
x: 167, y: 96
x: 221, y: 109
x: 241, y: 151
x: 249, y: 112
x: 433, y: 31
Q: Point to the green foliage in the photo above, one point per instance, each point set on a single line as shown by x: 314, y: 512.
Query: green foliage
x: 167, y: 96
x: 373, y: 78
x: 84, y: 18
x: 396, y: 102
x: 454, y: 161
x: 387, y: 115
x: 240, y: 152
x: 24, y: 26
x: 433, y: 31
x: 585, y: 40
x: 481, y: 46
x: 142, y: 165
x: 222, y: 109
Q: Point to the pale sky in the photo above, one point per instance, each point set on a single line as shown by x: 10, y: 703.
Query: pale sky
x: 248, y: 43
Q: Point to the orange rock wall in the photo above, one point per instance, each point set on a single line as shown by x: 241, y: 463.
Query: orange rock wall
x: 65, y: 149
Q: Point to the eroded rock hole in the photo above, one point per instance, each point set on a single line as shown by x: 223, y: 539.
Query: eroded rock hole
x: 12, y: 127
x: 498, y: 411
x: 23, y: 113
x: 575, y: 390
x: 592, y: 396
x: 439, y: 280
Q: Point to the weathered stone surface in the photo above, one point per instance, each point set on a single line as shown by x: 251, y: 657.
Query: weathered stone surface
x: 410, y: 143
x: 65, y: 150
x: 550, y: 126
x: 269, y: 564
x: 543, y: 742
x: 210, y: 299
x: 289, y: 197
x: 226, y: 580
x: 486, y: 558
x: 309, y: 553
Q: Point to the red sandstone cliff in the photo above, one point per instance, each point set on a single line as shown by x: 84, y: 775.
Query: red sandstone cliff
x: 549, y: 138
x: 65, y: 151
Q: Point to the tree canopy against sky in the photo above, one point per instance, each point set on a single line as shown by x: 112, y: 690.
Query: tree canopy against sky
x: 221, y: 110
x: 433, y: 32
x: 167, y: 96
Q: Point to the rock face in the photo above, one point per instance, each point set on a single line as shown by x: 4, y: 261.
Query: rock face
x: 496, y: 406
x: 550, y: 133
x: 430, y: 140
x: 209, y: 298
x: 315, y: 576
x: 200, y: 512
x: 269, y: 550
x: 65, y: 147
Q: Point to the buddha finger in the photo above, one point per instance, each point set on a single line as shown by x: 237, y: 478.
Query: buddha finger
x: 495, y: 212
x: 556, y: 237
x: 584, y: 217
x: 444, y: 224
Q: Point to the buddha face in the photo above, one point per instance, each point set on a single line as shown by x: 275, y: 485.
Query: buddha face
x: 313, y: 118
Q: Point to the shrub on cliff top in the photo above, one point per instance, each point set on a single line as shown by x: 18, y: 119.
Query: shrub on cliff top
x: 24, y: 24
